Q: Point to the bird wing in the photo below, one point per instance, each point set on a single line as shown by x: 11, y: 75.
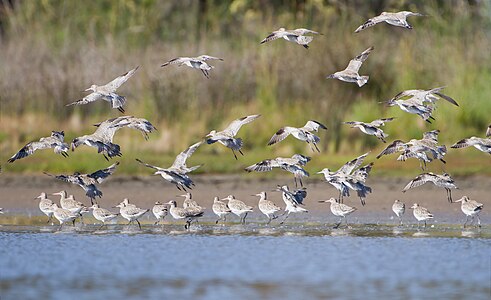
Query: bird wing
x: 234, y: 127
x: 363, y: 172
x: 181, y: 158
x: 101, y: 175
x: 392, y: 148
x: 488, y: 131
x: 418, y: 181
x: 462, y: 144
x: 87, y: 99
x: 302, y: 31
x: 273, y: 36
x: 355, y: 64
x: 112, y: 86
x: 175, y: 61
x: 263, y: 166
x: 140, y: 124
x: 380, y: 122
x: 449, y: 99
x: 149, y: 166
x: 280, y: 135
x: 313, y: 125
x: 352, y: 164
x: 370, y: 22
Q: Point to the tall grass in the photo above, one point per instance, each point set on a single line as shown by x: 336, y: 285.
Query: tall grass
x: 52, y: 50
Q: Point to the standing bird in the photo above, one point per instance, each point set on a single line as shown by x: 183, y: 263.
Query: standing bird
x: 102, y: 138
x: 396, y: 19
x: 238, y: 207
x: 470, y: 208
x: 55, y: 141
x: 69, y: 203
x: 180, y: 213
x: 227, y: 138
x: 88, y: 181
x: 303, y: 133
x: 293, y: 200
x: 63, y: 215
x: 102, y: 214
x: 292, y: 165
x: 399, y: 208
x: 45, y: 205
x: 267, y: 207
x: 350, y: 74
x: 297, y: 36
x: 107, y: 92
x: 160, y: 210
x: 176, y: 173
x: 445, y: 181
x: 220, y: 209
x: 421, y: 213
x: 191, y: 205
x: 372, y: 128
x: 131, y: 212
x: 198, y: 62
x: 340, y: 210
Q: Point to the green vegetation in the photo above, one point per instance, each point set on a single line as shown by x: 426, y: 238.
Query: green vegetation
x: 52, y: 50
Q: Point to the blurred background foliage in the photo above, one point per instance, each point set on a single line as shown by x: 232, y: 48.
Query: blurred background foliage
x: 50, y: 51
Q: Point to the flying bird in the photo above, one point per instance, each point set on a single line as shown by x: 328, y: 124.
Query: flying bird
x: 350, y: 74
x: 107, y: 92
x: 297, y: 36
x: 372, y: 128
x: 482, y: 144
x: 444, y: 181
x: 292, y: 165
x: 303, y: 133
x: 396, y: 19
x: 55, y: 141
x: 198, y: 62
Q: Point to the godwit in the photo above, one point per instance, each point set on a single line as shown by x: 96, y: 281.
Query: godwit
x: 425, y: 96
x: 340, y: 210
x: 421, y: 213
x: 444, y: 181
x: 107, y: 92
x: 398, y: 208
x: 267, y: 207
x: 350, y: 74
x: 69, y: 203
x: 102, y: 214
x: 396, y: 19
x: 198, y: 62
x: 160, y: 210
x: 88, y: 181
x: 55, y: 141
x: 227, y: 138
x: 63, y: 215
x: 131, y: 213
x: 292, y: 165
x: 372, y: 128
x: 293, y: 200
x: 180, y: 213
x: 482, y: 144
x: 45, y: 205
x: 220, y: 209
x: 303, y: 133
x: 297, y: 36
x: 470, y: 208
x: 238, y: 207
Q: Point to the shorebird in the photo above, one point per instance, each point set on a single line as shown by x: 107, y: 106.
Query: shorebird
x: 292, y: 165
x: 102, y: 214
x: 371, y: 128
x: 350, y: 74
x: 470, y: 208
x: 63, y: 215
x: 227, y: 138
x: 346, y: 178
x: 131, y: 213
x: 107, y: 92
x: 88, y: 181
x: 482, y: 144
x: 238, y: 207
x: 267, y: 207
x: 191, y: 205
x: 180, y: 213
x: 176, y: 173
x: 303, y: 133
x: 102, y: 138
x: 69, y: 203
x: 444, y: 181
x: 45, y: 205
x: 293, y: 200
x: 398, y: 208
x: 198, y: 62
x: 414, y: 106
x: 340, y: 210
x: 297, y: 36
x: 220, y: 209
x: 160, y: 210
x: 421, y: 213
x: 55, y: 141
x: 396, y: 19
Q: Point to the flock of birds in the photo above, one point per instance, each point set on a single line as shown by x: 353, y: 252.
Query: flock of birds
x: 349, y: 177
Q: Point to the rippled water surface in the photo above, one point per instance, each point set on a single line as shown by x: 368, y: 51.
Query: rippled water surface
x: 251, y: 262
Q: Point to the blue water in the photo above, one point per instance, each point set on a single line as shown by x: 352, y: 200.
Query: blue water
x: 291, y: 263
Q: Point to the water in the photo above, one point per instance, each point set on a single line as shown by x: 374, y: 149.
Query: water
x: 252, y: 262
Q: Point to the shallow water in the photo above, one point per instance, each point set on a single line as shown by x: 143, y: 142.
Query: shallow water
x: 245, y: 262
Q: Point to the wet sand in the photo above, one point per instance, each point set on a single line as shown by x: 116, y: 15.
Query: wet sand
x: 17, y: 193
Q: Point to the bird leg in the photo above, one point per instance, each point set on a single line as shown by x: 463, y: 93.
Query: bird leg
x: 466, y: 219
x: 49, y: 219
x: 234, y: 153
x: 73, y: 222
x: 449, y: 195
x: 240, y: 151
x: 269, y: 221
x: 243, y: 219
x: 139, y: 225
x: 400, y: 219
x: 478, y: 221
x: 285, y: 218
x: 337, y: 224
x: 158, y: 220
x: 362, y: 201
x: 101, y: 226
x: 425, y: 224
x: 317, y: 148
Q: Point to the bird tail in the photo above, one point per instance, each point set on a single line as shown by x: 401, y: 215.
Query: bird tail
x: 362, y: 80
x: 21, y: 154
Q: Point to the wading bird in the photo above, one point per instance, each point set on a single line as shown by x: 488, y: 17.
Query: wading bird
x: 302, y: 133
x: 396, y: 19
x: 198, y: 62
x: 443, y: 181
x: 350, y: 74
x: 297, y: 36
x: 292, y: 165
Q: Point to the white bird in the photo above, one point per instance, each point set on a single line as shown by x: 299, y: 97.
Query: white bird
x: 421, y: 213
x: 350, y: 74
x: 293, y: 200
x: 482, y: 144
x: 444, y: 181
x: 107, y: 92
x: 160, y: 210
x: 88, y: 181
x: 302, y: 133
x: 340, y: 210
x: 372, y: 128
x: 69, y: 203
x: 220, y: 209
x: 292, y: 165
x: 45, y: 205
x: 398, y: 208
x: 131, y: 213
x: 55, y: 141
x: 180, y: 213
x: 297, y: 36
x: 238, y: 207
x: 470, y: 208
x: 396, y: 19
x: 63, y: 215
x: 227, y: 138
x: 102, y: 214
x: 198, y: 62
x: 425, y: 96
x: 267, y: 207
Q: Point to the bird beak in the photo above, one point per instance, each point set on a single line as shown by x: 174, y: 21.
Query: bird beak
x: 87, y: 90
